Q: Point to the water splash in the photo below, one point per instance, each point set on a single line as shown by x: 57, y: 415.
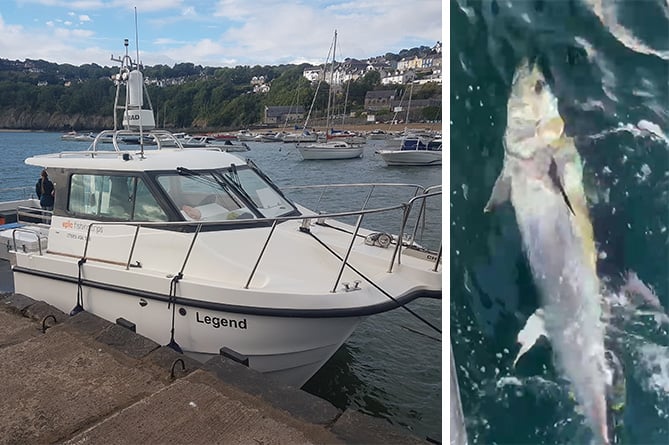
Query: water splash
x: 643, y: 129
x: 654, y: 359
x: 607, y: 14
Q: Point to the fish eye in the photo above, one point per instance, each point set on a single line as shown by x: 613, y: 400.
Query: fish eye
x: 539, y: 86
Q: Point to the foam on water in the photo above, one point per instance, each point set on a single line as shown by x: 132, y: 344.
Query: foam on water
x: 643, y: 129
x: 655, y: 359
x: 608, y: 15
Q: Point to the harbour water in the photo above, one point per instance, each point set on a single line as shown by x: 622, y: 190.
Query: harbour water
x: 391, y: 366
x: 607, y: 63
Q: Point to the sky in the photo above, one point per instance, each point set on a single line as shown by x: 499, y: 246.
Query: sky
x: 221, y: 33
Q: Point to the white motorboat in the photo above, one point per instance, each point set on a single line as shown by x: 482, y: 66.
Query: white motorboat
x: 378, y: 135
x: 345, y: 136
x: 304, y: 136
x: 199, y: 250
x: 73, y: 136
x: 246, y: 135
x: 204, y: 141
x: 414, y: 154
x: 329, y: 150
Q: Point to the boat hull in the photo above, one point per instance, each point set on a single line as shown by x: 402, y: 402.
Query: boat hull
x: 411, y: 157
x: 284, y: 348
x: 327, y: 153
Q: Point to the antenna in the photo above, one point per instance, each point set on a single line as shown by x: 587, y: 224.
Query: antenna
x: 136, y: 36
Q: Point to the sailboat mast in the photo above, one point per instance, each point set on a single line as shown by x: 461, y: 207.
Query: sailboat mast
x: 343, y: 115
x: 406, y: 120
x: 331, y: 89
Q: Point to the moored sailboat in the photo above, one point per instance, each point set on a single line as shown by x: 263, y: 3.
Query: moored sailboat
x: 333, y: 147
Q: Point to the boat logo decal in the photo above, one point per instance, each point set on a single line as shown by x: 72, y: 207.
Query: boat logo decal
x: 219, y: 322
x: 80, y: 226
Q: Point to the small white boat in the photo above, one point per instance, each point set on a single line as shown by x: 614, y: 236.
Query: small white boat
x: 199, y: 250
x: 329, y: 150
x: 204, y: 141
x: 378, y: 135
x: 346, y: 136
x: 304, y: 136
x: 246, y: 135
x: 73, y: 136
x: 429, y: 154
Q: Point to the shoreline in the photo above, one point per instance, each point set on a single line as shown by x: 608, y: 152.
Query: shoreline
x: 363, y: 128
x: 358, y: 128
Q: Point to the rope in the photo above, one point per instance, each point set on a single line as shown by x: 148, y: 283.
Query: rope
x: 427, y: 323
x: 172, y: 301
x: 80, y: 290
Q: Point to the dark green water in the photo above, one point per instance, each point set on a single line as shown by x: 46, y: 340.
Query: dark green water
x: 611, y: 90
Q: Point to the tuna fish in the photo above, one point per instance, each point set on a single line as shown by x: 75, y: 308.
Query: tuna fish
x: 542, y: 178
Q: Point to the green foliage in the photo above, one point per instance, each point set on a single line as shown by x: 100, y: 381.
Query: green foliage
x: 431, y: 113
x: 427, y: 90
x: 186, y: 95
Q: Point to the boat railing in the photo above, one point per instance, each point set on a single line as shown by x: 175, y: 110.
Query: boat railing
x: 100, y: 147
x: 401, y: 241
x: 160, y: 138
x: 413, y: 190
x: 32, y: 215
x: 31, y: 232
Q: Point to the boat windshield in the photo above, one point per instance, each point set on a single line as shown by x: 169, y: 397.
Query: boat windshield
x: 223, y: 194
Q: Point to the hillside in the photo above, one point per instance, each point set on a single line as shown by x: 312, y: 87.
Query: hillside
x: 40, y: 95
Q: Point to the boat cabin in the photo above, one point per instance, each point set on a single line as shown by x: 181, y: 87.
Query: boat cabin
x: 204, y: 186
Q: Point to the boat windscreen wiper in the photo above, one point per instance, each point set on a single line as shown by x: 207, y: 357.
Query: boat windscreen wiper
x: 233, y: 178
x: 262, y: 174
x: 186, y: 172
x: 207, y: 180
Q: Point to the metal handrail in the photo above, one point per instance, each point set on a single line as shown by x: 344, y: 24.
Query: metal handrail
x: 31, y: 232
x: 405, y: 207
x: 35, y: 213
x: 418, y: 189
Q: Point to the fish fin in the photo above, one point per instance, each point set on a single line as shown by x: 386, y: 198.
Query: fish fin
x: 570, y: 172
x: 501, y: 192
x: 528, y: 336
x: 557, y: 182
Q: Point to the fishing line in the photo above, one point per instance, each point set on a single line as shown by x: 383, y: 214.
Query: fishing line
x: 376, y: 285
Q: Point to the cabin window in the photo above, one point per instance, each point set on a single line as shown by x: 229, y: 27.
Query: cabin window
x: 113, y: 196
x: 270, y: 203
x: 146, y: 206
x: 201, y: 197
x: 223, y: 194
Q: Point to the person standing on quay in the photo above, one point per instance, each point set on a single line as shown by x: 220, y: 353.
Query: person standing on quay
x: 45, y: 192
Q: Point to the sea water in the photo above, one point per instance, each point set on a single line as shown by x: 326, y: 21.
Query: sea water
x: 608, y: 64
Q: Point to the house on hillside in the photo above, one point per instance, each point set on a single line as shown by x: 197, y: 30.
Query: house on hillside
x: 313, y: 74
x: 281, y: 114
x: 397, y: 77
x: 379, y: 100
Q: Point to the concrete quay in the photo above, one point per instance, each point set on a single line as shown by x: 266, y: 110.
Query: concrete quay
x: 83, y: 380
